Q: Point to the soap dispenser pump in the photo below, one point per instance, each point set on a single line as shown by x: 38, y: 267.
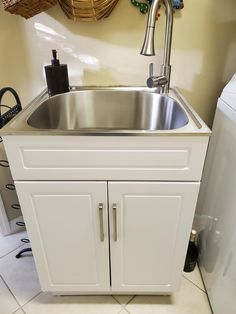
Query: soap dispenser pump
x: 56, y: 76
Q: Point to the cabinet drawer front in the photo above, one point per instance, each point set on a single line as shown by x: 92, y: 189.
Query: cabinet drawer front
x: 106, y: 158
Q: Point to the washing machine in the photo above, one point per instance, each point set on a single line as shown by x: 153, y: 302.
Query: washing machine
x: 216, y: 208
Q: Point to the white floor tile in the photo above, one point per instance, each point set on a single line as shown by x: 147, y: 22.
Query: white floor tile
x: 11, y: 242
x: 46, y: 303
x: 123, y: 299
x: 19, y: 312
x: 124, y: 311
x: 20, y: 275
x: 195, y: 277
x: 7, y: 302
x: 188, y: 300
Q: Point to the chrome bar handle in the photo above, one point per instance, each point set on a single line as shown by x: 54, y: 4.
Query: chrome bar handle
x: 114, y: 208
x: 100, y: 207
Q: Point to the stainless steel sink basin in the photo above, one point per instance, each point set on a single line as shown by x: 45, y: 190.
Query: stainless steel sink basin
x: 109, y: 110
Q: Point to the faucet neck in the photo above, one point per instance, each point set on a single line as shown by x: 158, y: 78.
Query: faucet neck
x: 168, y: 32
x: 148, y: 45
x: 153, y: 13
x: 166, y: 67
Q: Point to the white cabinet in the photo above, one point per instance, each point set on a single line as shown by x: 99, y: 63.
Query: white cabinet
x: 68, y: 224
x: 150, y: 225
x: 65, y: 222
x: 108, y: 214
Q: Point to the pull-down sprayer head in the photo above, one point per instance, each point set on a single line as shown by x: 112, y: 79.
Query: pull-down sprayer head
x: 148, y: 44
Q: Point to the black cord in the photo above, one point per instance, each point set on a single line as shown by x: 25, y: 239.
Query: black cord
x: 12, y: 91
x: 8, y: 107
x: 12, y: 111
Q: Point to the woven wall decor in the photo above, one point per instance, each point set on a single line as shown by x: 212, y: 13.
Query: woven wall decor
x: 87, y: 10
x: 143, y: 6
x: 27, y: 8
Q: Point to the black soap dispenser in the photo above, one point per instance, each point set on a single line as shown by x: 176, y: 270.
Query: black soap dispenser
x: 57, y: 76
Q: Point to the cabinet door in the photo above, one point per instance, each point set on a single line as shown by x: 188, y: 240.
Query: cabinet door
x: 64, y: 221
x: 150, y: 228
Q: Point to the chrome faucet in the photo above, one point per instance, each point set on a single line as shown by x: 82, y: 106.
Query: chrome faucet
x: 162, y: 80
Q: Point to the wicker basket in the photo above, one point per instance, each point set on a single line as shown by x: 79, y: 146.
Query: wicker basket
x: 27, y: 8
x: 87, y: 10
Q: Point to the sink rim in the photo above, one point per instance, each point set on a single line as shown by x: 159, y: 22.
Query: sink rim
x: 98, y: 130
x: 18, y: 125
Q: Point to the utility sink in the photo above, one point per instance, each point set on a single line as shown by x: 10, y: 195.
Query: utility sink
x: 109, y: 110
x: 120, y: 110
x: 117, y: 168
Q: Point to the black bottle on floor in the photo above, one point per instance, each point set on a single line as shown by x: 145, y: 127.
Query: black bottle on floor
x: 192, y: 253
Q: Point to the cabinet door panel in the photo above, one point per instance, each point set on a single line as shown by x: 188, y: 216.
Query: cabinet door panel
x: 62, y: 219
x: 153, y: 227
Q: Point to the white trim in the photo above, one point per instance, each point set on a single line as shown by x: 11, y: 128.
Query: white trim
x: 4, y: 223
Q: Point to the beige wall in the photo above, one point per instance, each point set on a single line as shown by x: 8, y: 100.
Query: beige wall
x: 107, y: 52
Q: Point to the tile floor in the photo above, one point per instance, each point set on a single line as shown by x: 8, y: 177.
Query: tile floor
x: 20, y: 292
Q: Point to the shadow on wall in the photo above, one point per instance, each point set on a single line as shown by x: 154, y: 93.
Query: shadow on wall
x: 214, y: 38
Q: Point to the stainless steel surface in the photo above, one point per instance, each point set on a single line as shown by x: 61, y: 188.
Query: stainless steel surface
x: 19, y: 125
x: 154, y: 81
x: 109, y: 110
x: 100, y: 207
x: 114, y: 215
x: 148, y: 44
x: 151, y: 70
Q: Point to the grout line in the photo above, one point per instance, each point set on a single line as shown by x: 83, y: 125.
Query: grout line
x: 205, y: 288
x: 123, y: 306
x: 1, y: 277
x: 202, y: 278
x: 194, y: 284
x: 117, y: 301
x: 18, y: 310
x: 35, y: 296
x: 20, y: 306
x: 130, y: 300
x: 124, y: 310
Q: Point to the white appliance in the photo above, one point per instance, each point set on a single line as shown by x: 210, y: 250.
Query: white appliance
x: 216, y: 209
